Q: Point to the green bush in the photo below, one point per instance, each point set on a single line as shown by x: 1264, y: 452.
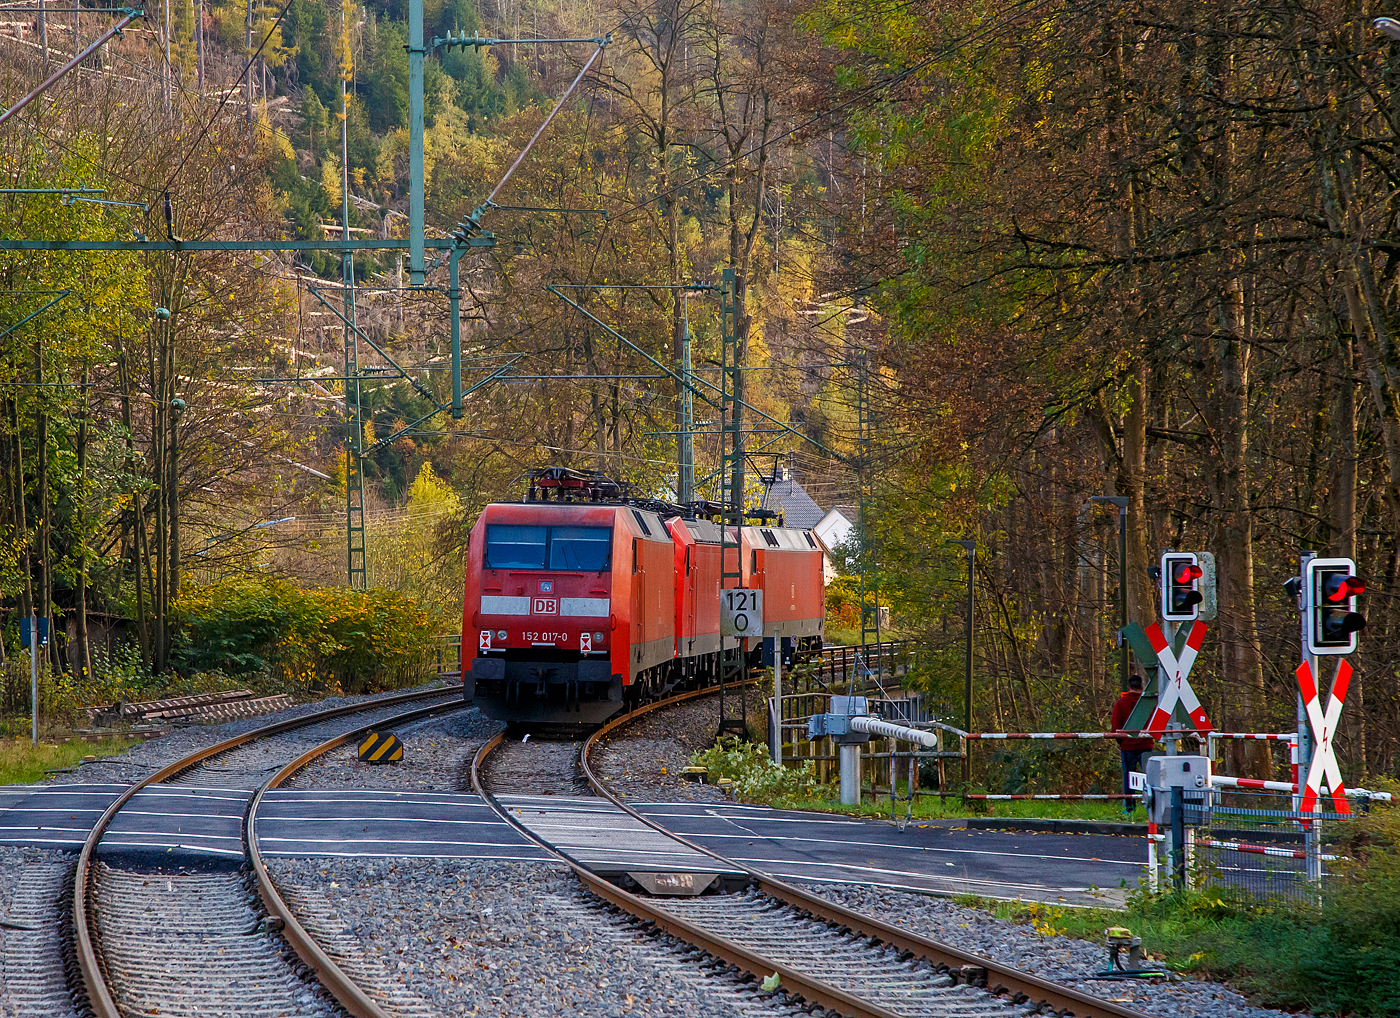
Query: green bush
x: 323, y: 639
x: 1339, y: 956
x: 62, y: 696
x: 756, y: 778
x: 1350, y: 961
x: 843, y: 602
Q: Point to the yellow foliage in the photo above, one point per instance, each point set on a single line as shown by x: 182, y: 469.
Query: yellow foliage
x: 324, y: 638
x: 330, y: 179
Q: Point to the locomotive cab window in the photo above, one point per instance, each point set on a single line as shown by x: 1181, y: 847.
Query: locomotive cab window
x: 511, y: 547
x: 566, y: 549
x: 584, y: 549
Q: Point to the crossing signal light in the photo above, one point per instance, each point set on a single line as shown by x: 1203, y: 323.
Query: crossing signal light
x: 1332, y: 619
x: 1181, y: 587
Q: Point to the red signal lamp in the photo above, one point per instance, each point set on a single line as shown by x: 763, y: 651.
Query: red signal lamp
x: 1338, y: 588
x: 1185, y: 572
x: 1181, y: 593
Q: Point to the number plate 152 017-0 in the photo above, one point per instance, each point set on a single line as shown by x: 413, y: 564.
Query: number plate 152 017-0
x: 546, y: 638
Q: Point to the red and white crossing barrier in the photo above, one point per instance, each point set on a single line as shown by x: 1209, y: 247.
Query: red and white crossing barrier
x: 1271, y: 736
x: 1280, y: 853
x: 1060, y: 735
x: 1152, y: 838
x: 1220, y: 780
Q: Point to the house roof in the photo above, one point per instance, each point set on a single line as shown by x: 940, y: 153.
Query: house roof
x: 798, y: 509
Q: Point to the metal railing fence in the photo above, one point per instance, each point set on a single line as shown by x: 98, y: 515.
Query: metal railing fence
x: 448, y: 651
x: 874, y: 671
x: 1256, y: 844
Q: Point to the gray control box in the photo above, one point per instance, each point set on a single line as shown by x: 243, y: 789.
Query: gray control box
x: 1178, y: 771
x: 838, y: 723
x: 1189, y: 773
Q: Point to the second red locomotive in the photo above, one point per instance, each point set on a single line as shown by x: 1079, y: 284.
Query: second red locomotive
x: 586, y: 604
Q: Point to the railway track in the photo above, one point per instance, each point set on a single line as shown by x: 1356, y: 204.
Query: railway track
x: 820, y: 952
x: 214, y: 939
x: 537, y: 768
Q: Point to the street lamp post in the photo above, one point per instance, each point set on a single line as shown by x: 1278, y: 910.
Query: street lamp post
x: 970, y: 547
x: 1122, y: 504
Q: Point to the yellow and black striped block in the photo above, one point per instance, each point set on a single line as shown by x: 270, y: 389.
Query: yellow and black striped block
x: 381, y: 747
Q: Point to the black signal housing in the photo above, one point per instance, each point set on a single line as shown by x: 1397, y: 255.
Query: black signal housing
x: 1332, y: 619
x: 1181, y: 587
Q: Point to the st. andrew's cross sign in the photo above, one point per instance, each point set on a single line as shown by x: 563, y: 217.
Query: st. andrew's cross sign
x: 1171, y: 691
x: 1324, y: 728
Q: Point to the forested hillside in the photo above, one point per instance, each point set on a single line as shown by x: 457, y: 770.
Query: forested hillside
x: 1142, y: 250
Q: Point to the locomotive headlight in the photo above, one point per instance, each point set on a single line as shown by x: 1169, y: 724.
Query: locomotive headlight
x: 597, y: 636
x: 500, y: 634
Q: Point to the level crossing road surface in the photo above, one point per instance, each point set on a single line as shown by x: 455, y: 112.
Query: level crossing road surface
x: 941, y: 857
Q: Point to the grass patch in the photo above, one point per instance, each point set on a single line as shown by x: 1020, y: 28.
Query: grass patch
x: 23, y: 764
x: 1337, y: 957
x: 931, y: 807
x: 757, y: 780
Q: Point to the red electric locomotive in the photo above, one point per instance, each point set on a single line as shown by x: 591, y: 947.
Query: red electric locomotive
x: 578, y: 607
x: 786, y: 565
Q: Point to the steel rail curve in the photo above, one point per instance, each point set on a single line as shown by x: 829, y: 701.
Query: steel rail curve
x: 812, y: 990
x: 327, y: 972
x: 90, y: 962
x: 1000, y: 978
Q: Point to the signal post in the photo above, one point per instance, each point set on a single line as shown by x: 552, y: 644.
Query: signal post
x: 1326, y: 591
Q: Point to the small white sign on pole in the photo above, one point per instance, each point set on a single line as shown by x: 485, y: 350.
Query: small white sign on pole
x: 741, y: 612
x: 1137, y: 781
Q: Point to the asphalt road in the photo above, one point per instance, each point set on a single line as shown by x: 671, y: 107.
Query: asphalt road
x: 938, y: 857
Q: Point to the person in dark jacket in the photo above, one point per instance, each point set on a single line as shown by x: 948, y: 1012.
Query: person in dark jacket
x: 1131, y: 750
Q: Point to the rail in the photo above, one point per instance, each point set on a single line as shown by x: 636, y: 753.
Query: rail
x: 90, y: 964
x: 330, y: 975
x: 815, y: 992
x: 999, y: 977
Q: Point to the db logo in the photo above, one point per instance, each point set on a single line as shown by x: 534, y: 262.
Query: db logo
x: 545, y: 606
x: 585, y: 642
x: 484, y: 643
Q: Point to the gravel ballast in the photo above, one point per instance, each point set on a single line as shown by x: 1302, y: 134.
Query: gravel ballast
x: 467, y: 938
x: 437, y: 754
x: 643, y: 759
x: 150, y: 756
x: 1061, y: 959
x: 32, y: 978
x: 535, y: 767
x: 508, y: 939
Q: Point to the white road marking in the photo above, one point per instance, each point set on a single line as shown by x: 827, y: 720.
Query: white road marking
x: 731, y: 822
